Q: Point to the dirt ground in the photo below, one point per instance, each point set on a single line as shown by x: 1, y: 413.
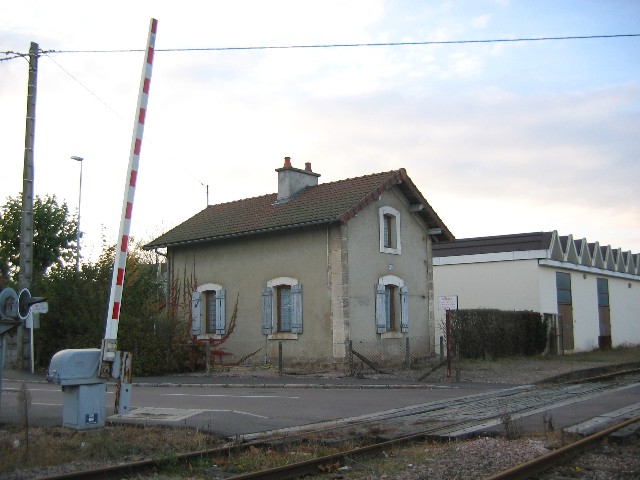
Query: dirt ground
x: 518, y: 370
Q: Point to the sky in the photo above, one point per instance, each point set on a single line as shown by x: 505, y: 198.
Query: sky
x: 500, y: 137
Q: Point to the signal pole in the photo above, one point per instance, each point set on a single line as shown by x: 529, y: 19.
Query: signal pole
x: 25, y: 274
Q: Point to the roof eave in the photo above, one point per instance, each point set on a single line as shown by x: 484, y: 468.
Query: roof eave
x: 153, y: 245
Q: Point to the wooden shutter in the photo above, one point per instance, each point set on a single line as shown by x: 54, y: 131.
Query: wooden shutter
x: 404, y: 309
x: 296, y: 308
x: 266, y: 311
x: 196, y: 318
x: 381, y: 317
x: 220, y: 311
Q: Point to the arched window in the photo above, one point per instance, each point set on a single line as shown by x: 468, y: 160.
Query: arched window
x: 392, y: 305
x: 282, y: 306
x: 208, y: 310
x: 389, y: 230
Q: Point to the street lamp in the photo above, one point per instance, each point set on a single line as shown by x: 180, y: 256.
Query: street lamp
x: 78, y: 159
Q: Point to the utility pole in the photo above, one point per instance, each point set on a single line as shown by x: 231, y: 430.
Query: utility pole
x: 25, y: 274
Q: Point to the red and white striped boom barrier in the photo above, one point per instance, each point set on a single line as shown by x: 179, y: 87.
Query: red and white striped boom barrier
x: 109, y: 344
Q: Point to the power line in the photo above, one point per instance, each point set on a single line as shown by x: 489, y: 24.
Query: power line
x: 344, y: 45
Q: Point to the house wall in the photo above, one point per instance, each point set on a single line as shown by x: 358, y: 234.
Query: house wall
x: 244, y: 266
x: 367, y: 265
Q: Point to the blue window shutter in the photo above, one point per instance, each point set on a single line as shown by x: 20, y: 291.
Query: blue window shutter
x: 196, y: 304
x: 381, y: 310
x: 266, y: 311
x: 296, y: 308
x: 220, y: 311
x: 404, y: 309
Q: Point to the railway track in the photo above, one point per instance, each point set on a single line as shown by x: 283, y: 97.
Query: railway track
x: 560, y: 455
x: 317, y: 465
x: 377, y: 433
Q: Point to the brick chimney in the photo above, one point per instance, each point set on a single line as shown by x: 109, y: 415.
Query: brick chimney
x: 292, y: 181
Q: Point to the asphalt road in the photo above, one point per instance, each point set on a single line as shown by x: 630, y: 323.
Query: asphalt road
x: 256, y: 407
x: 232, y: 411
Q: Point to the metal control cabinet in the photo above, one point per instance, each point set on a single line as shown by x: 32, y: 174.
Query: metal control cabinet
x: 83, y: 404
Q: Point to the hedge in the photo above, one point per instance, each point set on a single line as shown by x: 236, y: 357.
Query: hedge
x: 483, y: 333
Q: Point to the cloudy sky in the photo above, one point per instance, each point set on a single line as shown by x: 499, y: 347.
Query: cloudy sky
x: 500, y: 137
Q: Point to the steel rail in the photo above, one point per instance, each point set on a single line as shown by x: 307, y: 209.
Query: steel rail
x: 115, y: 471
x: 553, y: 458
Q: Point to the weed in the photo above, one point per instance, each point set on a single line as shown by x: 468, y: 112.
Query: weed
x: 512, y: 428
x: 112, y: 444
x: 547, y: 422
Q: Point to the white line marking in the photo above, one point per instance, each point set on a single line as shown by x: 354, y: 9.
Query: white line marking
x: 239, y: 412
x: 228, y: 396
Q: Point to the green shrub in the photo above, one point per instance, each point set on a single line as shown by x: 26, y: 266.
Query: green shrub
x: 483, y: 333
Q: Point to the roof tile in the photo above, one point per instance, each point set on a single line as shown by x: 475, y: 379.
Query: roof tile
x: 324, y: 203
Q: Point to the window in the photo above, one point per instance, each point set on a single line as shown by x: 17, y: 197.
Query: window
x: 389, y: 230
x: 392, y: 305
x: 282, y: 306
x: 208, y: 310
x: 603, y: 292
x: 283, y: 310
x: 563, y: 287
x: 390, y: 292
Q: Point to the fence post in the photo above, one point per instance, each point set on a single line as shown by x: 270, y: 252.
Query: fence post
x: 350, y: 355
x: 280, y: 357
x: 207, y: 353
x: 441, y: 347
x: 407, y: 354
x: 448, y: 318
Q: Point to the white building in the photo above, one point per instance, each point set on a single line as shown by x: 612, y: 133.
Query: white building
x: 590, y: 292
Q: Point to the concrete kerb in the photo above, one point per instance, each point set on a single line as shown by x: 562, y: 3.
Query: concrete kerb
x: 340, y: 383
x: 592, y: 373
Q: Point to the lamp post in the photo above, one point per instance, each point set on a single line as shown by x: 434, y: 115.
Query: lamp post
x: 78, y: 159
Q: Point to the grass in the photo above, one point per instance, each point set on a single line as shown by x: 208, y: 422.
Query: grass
x: 111, y: 444
x: 625, y: 354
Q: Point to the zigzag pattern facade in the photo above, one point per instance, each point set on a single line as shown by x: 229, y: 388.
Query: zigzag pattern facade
x: 566, y: 249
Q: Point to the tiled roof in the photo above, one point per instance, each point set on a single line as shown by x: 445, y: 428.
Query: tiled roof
x: 324, y: 203
x: 500, y: 243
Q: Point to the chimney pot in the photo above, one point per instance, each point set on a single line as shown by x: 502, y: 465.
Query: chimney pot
x: 307, y: 166
x: 287, y: 162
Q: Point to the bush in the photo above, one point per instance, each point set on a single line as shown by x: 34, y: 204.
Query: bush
x: 490, y: 333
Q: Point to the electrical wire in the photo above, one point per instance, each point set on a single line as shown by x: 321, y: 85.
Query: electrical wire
x: 347, y: 45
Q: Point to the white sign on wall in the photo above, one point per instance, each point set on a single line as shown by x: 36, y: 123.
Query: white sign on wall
x: 448, y: 303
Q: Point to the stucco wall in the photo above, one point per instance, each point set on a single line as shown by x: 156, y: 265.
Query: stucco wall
x: 509, y: 285
x: 245, y: 265
x: 367, y: 264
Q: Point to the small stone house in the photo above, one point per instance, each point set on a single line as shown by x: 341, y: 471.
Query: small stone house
x: 312, y: 268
